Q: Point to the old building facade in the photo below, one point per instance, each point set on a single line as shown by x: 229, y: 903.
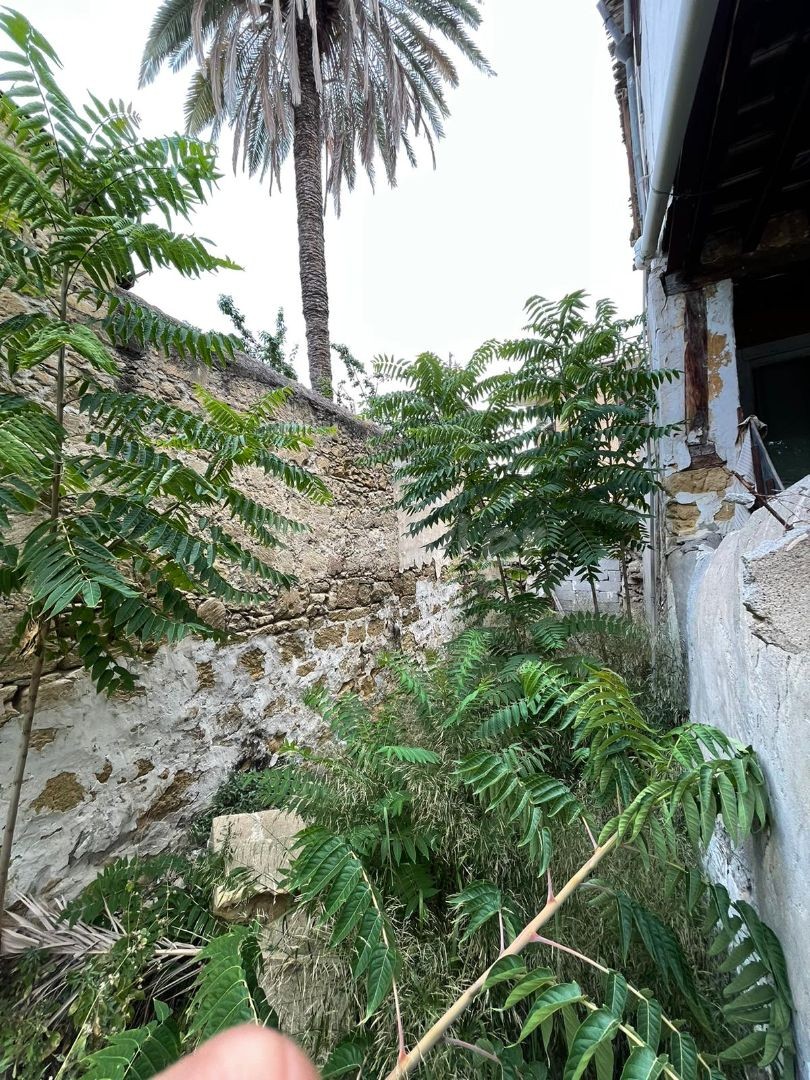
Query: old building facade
x: 715, y: 105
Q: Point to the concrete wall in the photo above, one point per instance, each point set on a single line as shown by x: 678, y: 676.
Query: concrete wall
x: 110, y: 777
x: 574, y: 594
x: 749, y: 672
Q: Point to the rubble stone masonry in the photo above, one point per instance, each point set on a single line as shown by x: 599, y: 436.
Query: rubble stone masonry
x: 117, y: 776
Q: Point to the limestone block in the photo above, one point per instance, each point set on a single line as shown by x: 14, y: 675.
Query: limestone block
x: 306, y: 984
x: 261, y: 843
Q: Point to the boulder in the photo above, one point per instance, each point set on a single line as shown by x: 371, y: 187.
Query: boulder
x: 261, y: 843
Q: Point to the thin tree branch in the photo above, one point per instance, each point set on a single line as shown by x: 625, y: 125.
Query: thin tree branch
x: 526, y: 936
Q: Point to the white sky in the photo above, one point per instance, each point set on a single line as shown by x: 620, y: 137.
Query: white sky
x: 530, y: 193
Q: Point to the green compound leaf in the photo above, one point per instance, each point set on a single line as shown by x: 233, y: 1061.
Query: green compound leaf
x: 596, y: 1029
x: 550, y: 1002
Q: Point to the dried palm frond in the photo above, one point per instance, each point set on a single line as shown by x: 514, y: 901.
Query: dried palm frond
x: 40, y: 926
x: 33, y: 925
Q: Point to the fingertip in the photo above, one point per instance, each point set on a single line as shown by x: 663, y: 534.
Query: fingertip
x: 247, y: 1052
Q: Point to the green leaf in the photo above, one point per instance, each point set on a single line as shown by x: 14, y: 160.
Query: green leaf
x: 345, y: 1060
x: 683, y: 1055
x: 604, y: 1060
x: 692, y: 817
x: 379, y: 977
x: 746, y: 1049
x: 412, y: 755
x: 534, y: 981
x: 643, y: 1064
x: 597, y: 1028
x: 648, y: 1022
x: 550, y: 1001
x: 477, y: 904
x: 137, y: 1054
x: 227, y: 990
x: 728, y: 805
x: 616, y: 993
x: 750, y: 974
x: 505, y: 969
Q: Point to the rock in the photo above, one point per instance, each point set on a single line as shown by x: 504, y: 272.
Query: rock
x: 254, y: 661
x: 306, y: 985
x: 206, y: 679
x: 328, y: 637
x: 214, y: 613
x: 61, y: 793
x: 261, y: 843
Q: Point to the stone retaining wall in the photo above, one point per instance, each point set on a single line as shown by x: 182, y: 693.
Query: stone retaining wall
x: 123, y: 775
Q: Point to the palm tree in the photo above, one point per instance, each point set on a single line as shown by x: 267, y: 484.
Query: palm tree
x: 339, y: 79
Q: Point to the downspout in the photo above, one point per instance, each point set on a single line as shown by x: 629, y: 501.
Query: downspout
x: 694, y: 29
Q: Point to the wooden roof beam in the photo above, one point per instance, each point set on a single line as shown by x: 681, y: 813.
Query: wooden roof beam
x: 793, y: 110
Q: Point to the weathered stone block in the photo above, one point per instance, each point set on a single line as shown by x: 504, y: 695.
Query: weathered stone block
x: 328, y: 637
x: 261, y: 843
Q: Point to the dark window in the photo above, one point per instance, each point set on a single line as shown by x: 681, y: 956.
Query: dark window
x: 772, y: 322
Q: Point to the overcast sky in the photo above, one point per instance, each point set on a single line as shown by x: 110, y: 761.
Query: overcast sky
x: 530, y: 192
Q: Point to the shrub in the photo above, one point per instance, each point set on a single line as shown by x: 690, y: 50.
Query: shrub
x: 116, y: 982
x: 485, y: 783
x: 529, y: 462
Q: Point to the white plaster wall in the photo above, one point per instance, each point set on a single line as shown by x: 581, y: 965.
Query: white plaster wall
x: 724, y: 389
x: 749, y: 672
x: 665, y: 330
x: 127, y: 775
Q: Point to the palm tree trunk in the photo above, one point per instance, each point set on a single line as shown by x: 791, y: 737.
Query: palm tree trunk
x: 309, y: 196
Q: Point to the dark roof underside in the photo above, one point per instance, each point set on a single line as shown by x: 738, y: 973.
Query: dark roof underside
x: 745, y: 165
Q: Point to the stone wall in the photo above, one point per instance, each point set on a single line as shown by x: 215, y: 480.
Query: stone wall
x: 697, y: 507
x: 574, y: 594
x: 123, y: 775
x: 748, y: 618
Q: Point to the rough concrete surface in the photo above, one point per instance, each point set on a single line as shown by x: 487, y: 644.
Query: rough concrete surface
x: 749, y: 669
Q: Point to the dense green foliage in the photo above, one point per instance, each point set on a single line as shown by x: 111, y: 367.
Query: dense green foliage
x: 528, y: 461
x: 440, y: 820
x: 268, y: 347
x: 433, y: 822
x: 129, y: 530
x: 117, y: 511
x: 129, y: 974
